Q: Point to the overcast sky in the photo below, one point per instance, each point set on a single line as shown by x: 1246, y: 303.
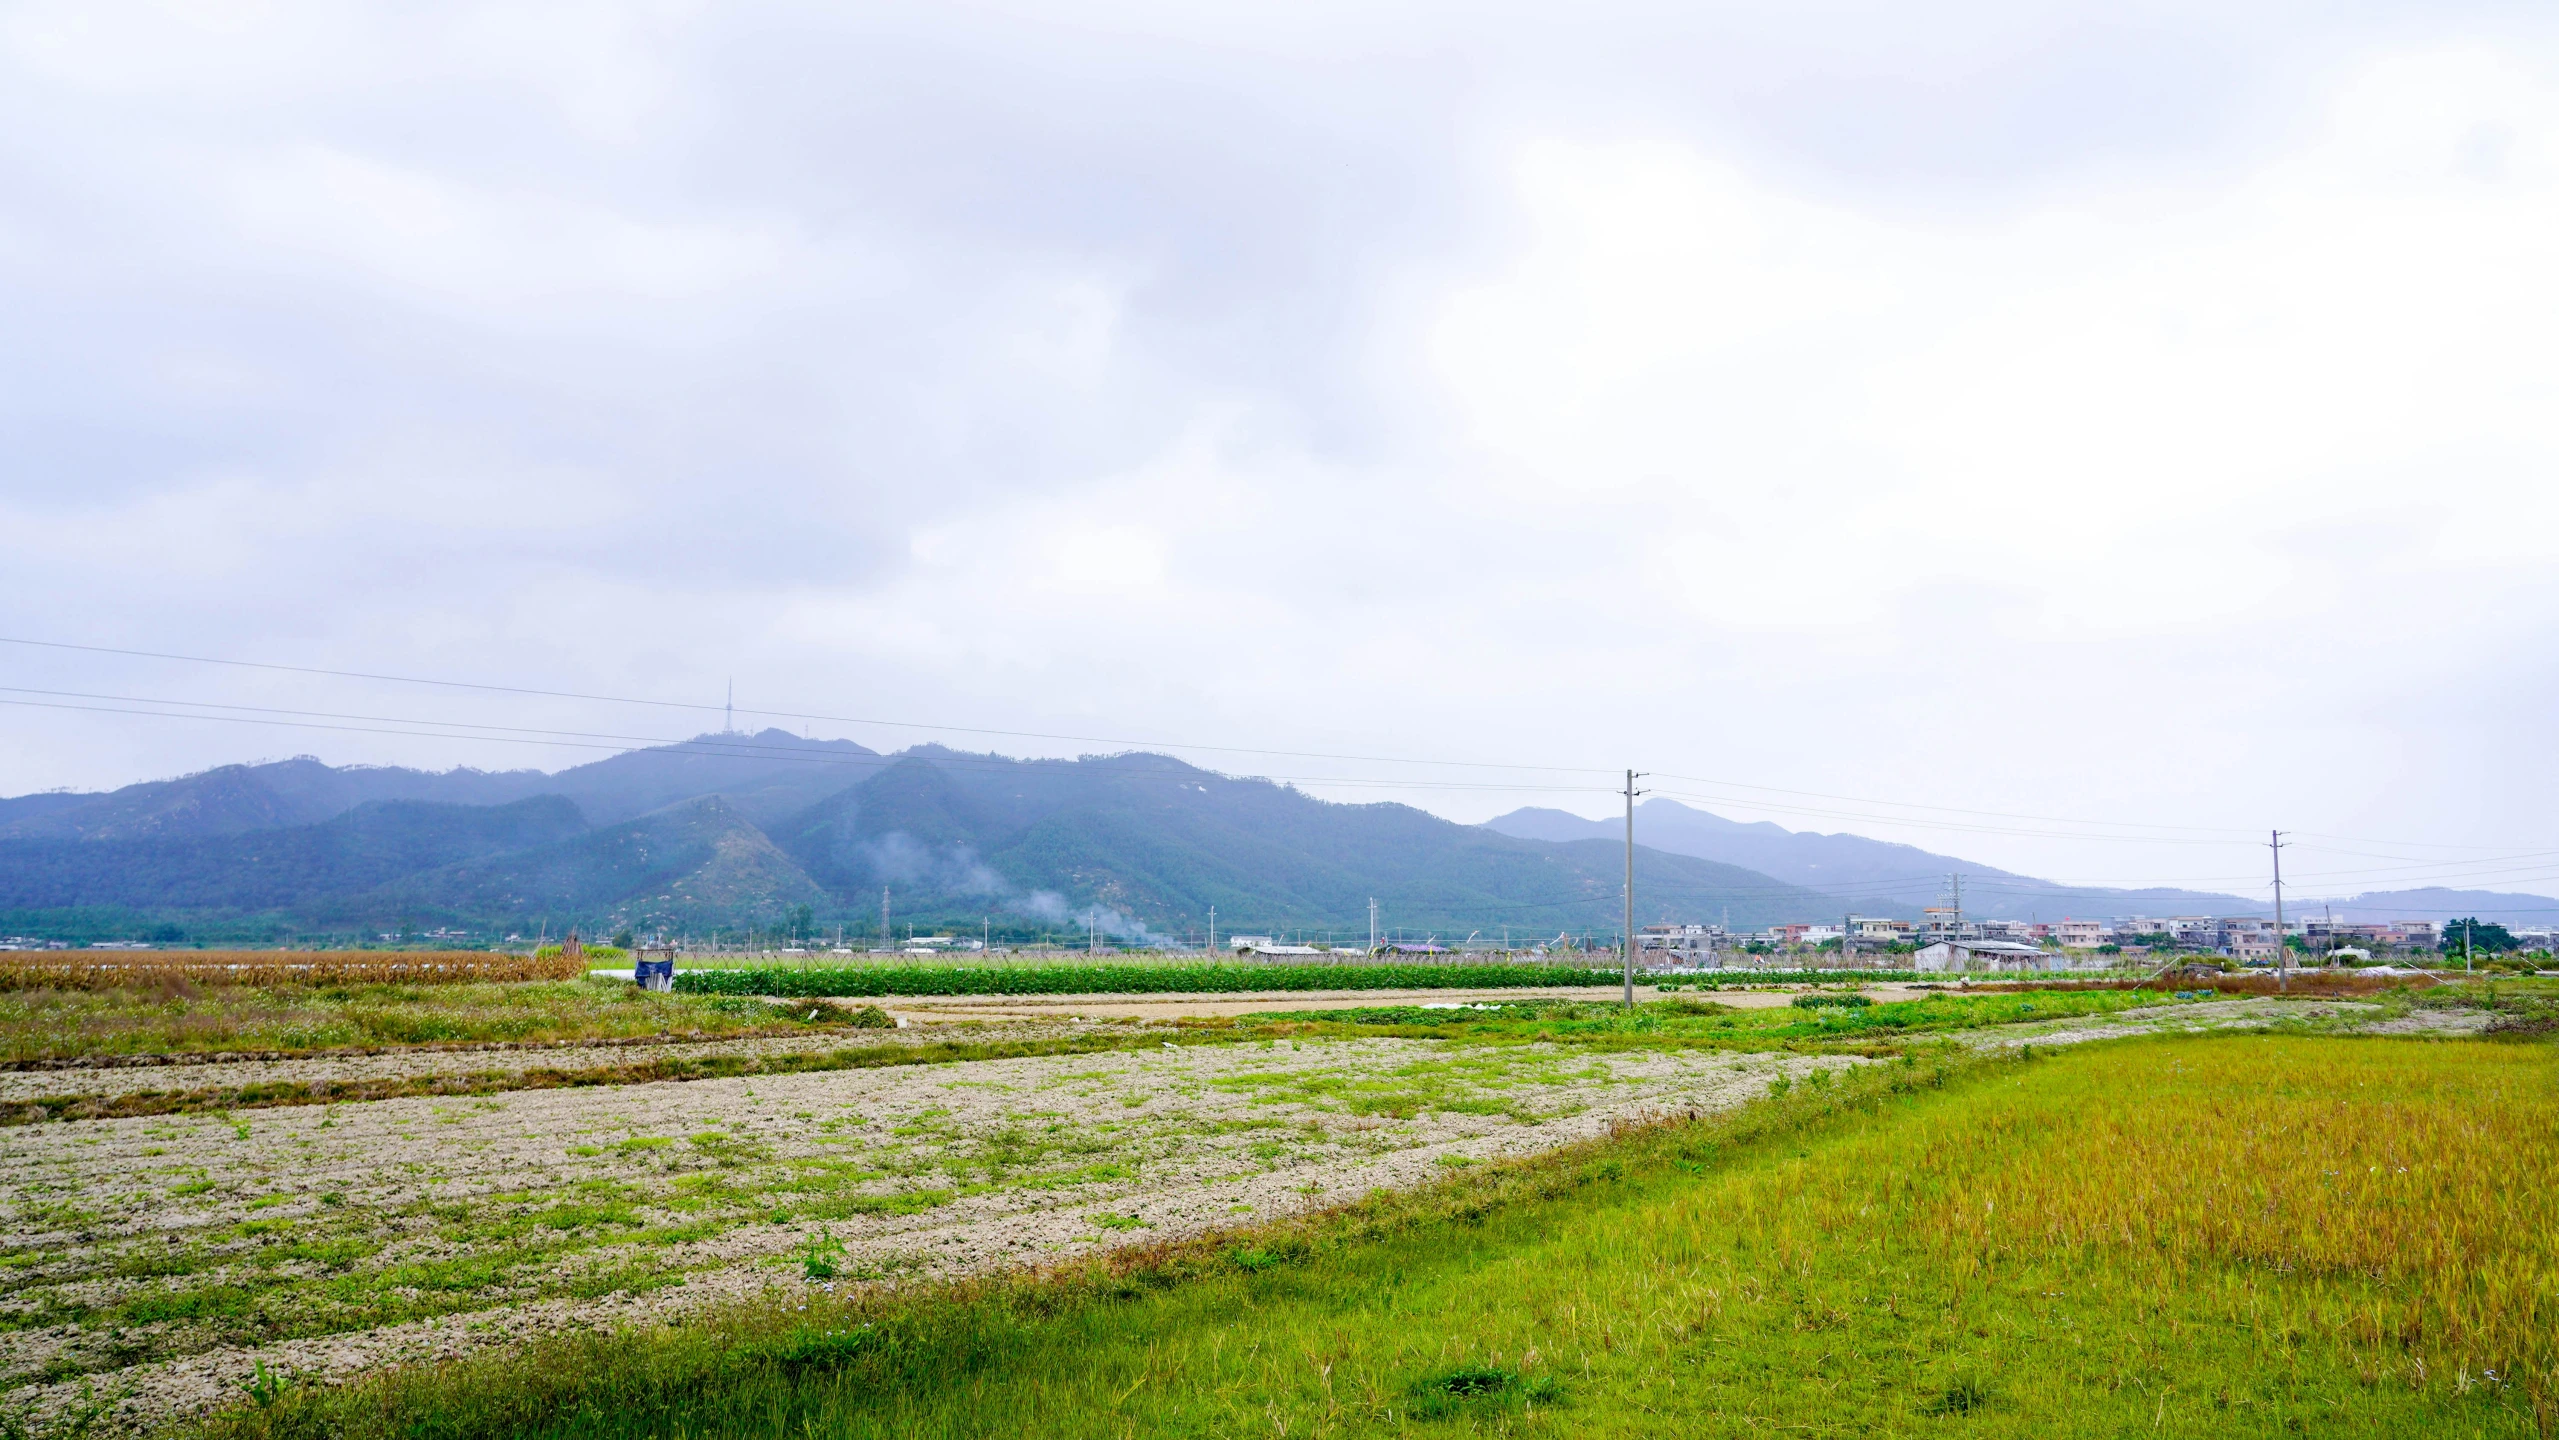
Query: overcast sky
x: 2135, y: 417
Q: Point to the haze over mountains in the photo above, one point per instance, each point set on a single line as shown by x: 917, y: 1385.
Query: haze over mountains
x: 1876, y: 877
x: 733, y: 830
x: 728, y: 831
x: 1879, y: 877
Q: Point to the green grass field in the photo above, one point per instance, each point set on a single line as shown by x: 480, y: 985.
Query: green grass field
x: 2240, y: 1235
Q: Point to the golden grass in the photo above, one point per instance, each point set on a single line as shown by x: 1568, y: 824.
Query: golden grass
x: 2431, y: 1169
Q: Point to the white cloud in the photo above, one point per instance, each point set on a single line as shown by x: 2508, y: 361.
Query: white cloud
x: 1253, y: 381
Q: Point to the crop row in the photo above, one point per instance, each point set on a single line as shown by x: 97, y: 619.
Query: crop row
x: 851, y: 980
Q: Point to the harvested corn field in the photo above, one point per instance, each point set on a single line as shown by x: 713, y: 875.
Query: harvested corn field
x: 116, y: 969
x: 173, y: 1017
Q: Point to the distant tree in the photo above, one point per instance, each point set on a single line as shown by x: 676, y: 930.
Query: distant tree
x: 2484, y: 938
x: 623, y: 938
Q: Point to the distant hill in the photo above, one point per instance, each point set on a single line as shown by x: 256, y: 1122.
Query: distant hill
x: 2497, y: 907
x: 727, y: 831
x: 1871, y: 877
x: 767, y: 776
x: 1160, y: 842
x: 237, y: 799
x: 310, y: 870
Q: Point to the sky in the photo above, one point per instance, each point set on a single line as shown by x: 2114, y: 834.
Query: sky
x: 2080, y: 438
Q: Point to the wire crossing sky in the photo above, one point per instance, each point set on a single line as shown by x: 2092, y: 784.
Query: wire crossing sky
x: 1933, y: 422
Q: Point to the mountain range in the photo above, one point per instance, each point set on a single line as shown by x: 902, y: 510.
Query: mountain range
x: 730, y: 830
x: 1878, y: 877
x: 758, y: 830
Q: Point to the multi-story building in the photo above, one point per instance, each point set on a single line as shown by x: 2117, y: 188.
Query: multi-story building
x: 2081, y: 934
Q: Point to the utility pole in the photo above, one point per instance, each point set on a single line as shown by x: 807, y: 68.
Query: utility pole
x: 1212, y: 930
x: 884, y: 917
x: 2283, y: 952
x: 1847, y: 947
x: 1372, y: 924
x: 1631, y: 793
x: 1956, y: 881
x: 2465, y: 945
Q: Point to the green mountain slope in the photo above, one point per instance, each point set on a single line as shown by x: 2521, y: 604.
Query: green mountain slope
x: 307, y: 869
x: 695, y: 864
x: 1150, y: 841
x: 756, y: 829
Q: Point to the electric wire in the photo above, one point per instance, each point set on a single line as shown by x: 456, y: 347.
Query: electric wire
x: 732, y: 744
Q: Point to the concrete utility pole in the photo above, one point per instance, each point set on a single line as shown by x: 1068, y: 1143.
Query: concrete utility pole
x: 1631, y: 793
x: 884, y: 917
x: 2465, y: 947
x: 1212, y: 930
x: 1372, y: 924
x: 1847, y: 947
x: 2283, y: 952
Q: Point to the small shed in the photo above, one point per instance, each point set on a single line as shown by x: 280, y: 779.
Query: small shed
x: 1984, y: 955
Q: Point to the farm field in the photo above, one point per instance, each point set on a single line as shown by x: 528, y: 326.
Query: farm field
x: 2092, y: 1242
x: 156, y: 1261
x: 172, y: 1016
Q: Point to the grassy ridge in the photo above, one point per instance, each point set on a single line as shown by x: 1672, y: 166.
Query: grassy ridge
x: 2096, y: 1244
x: 876, y: 980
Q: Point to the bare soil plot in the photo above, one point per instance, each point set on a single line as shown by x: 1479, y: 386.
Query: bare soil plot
x: 220, y: 1071
x: 162, y: 1258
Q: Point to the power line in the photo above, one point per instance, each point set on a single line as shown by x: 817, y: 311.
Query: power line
x: 715, y: 747
x: 789, y: 714
x: 444, y: 729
